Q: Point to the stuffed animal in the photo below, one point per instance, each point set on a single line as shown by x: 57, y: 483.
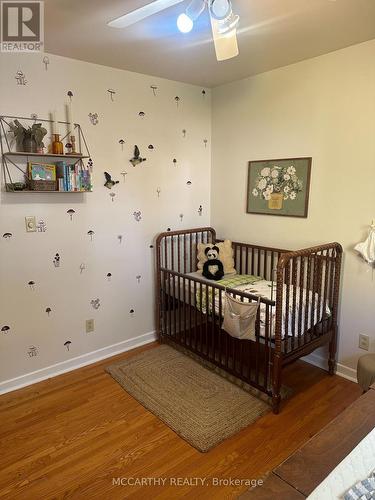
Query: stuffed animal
x: 213, y: 268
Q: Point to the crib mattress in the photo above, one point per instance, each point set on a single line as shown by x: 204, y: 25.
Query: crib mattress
x: 355, y: 467
x: 260, y: 288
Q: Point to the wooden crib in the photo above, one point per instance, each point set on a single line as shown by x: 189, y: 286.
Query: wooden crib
x: 300, y: 316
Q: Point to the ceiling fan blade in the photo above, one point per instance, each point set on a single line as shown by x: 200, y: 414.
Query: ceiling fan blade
x: 139, y: 14
x: 226, y: 45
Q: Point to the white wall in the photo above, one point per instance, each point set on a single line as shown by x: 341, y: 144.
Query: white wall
x: 324, y: 108
x: 29, y: 256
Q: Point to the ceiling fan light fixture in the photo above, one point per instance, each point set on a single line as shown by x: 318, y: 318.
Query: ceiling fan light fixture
x: 228, y: 24
x: 184, y: 23
x: 220, y: 9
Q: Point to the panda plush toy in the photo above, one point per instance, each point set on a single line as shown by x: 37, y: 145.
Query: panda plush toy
x: 213, y: 268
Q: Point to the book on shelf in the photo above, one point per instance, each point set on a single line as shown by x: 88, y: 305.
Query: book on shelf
x: 72, y: 177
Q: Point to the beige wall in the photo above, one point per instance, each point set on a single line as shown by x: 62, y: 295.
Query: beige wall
x: 324, y: 108
x: 29, y: 256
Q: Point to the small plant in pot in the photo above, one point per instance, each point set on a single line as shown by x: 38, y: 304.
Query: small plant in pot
x: 28, y: 140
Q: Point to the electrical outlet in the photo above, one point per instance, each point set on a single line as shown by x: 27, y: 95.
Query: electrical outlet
x: 30, y: 224
x: 90, y: 327
x: 364, y: 342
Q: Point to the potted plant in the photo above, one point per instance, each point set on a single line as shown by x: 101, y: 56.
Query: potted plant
x: 29, y: 140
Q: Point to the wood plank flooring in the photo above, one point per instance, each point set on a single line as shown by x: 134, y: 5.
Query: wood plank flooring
x: 69, y: 436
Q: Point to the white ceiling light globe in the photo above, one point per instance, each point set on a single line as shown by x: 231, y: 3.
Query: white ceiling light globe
x: 184, y: 23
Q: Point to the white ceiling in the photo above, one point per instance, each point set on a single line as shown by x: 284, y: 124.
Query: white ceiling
x: 272, y: 33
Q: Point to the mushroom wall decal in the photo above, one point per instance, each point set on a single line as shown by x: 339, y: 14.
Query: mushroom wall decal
x: 205, y: 142
x: 46, y: 62
x: 203, y: 93
x: 175, y: 162
x: 141, y: 114
x: 82, y: 267
x: 200, y: 210
x: 112, y: 195
x: 91, y: 234
x: 154, y: 89
x: 150, y: 146
x: 56, y: 260
x: 71, y: 212
x: 138, y: 278
x: 124, y: 174
x: 122, y: 142
x: 32, y: 352
x: 5, y: 329
x: 137, y: 216
x: 31, y: 285
x: 70, y: 95
x: 177, y: 100
x: 67, y: 344
x: 95, y: 303
x: 189, y: 183
x: 184, y: 133
x: 119, y: 237
x: 109, y: 276
x: 48, y: 311
x: 7, y: 236
x: 158, y: 190
x: 112, y: 93
x: 181, y: 217
x: 41, y: 226
x: 94, y: 118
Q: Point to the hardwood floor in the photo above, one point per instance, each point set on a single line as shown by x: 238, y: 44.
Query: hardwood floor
x: 67, y: 437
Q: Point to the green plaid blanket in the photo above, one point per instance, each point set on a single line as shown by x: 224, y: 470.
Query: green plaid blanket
x: 231, y: 281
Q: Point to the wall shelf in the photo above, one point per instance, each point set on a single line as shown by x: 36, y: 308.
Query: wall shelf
x: 18, y: 160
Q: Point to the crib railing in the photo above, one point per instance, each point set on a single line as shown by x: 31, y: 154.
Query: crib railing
x: 192, y: 314
x: 308, y: 285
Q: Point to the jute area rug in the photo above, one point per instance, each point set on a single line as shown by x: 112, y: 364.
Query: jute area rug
x: 200, y: 406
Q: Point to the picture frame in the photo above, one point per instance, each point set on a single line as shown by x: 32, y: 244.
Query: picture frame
x: 41, y: 172
x: 279, y: 187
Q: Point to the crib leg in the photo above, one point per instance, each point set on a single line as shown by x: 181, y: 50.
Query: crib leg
x: 332, y: 355
x: 276, y: 384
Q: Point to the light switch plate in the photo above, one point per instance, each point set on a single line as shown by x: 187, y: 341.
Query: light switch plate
x: 90, y: 326
x: 30, y: 224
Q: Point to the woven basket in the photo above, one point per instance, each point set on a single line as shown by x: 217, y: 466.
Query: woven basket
x: 42, y: 185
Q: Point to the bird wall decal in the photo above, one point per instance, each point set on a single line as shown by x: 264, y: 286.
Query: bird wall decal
x: 109, y: 182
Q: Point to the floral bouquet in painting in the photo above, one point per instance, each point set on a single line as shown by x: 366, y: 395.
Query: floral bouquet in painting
x: 275, y: 184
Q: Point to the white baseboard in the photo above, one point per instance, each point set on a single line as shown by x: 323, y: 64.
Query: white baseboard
x: 74, y: 363
x: 341, y: 370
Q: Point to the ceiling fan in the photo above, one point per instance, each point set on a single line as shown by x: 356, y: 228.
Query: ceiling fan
x: 223, y: 21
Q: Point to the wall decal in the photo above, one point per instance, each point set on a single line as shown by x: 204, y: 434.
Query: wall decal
x: 95, y: 303
x: 82, y: 267
x: 189, y: 183
x: 203, y: 93
x: 41, y: 226
x: 90, y: 164
x: 94, y: 118
x: 181, y: 217
x: 20, y: 78
x: 112, y: 195
x: 56, y: 260
x: 91, y: 234
x: 7, y: 236
x: 151, y: 146
x: 31, y: 285
x: 48, y: 311
x: 137, y: 159
x: 109, y: 183
x: 184, y: 133
x: 205, y: 142
x: 132, y: 312
x: 141, y: 114
x: 154, y: 89
x: 109, y: 276
x: 71, y: 212
x: 67, y: 344
x: 122, y: 142
x: 177, y: 100
x: 138, y: 278
x: 124, y: 174
x: 137, y: 216
x: 112, y: 93
x: 119, y: 237
x: 158, y: 190
x: 151, y: 246
x: 169, y: 229
x: 174, y: 162
x: 46, y: 62
x: 5, y: 329
x: 70, y: 95
x: 34, y: 116
x: 32, y: 351
x: 200, y: 210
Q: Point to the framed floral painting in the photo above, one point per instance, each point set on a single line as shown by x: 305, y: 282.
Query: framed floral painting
x: 279, y: 187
